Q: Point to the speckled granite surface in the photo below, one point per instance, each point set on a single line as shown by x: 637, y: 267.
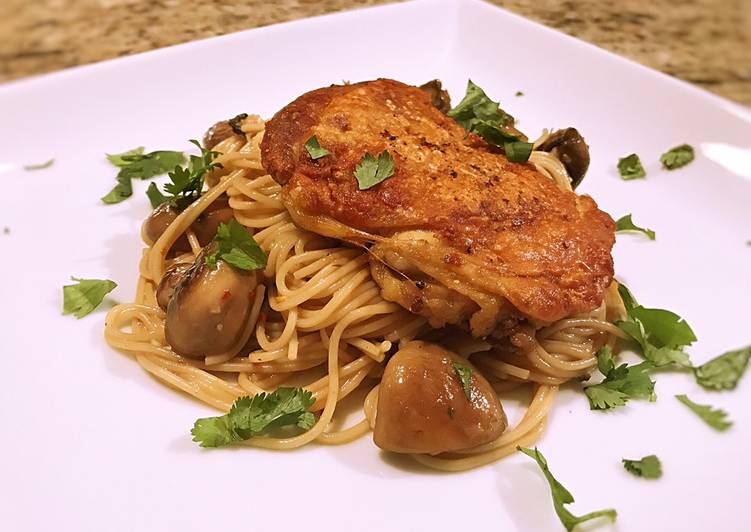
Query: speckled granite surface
x: 707, y: 42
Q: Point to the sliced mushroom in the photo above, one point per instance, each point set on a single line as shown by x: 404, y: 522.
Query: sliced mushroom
x: 204, y: 226
x: 570, y: 148
x: 210, y: 308
x: 217, y: 133
x: 422, y: 407
x: 439, y: 96
x: 169, y: 281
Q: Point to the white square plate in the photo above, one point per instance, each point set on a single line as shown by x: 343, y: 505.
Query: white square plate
x: 91, y: 442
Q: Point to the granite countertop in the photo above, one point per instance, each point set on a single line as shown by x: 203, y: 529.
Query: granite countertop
x: 706, y: 42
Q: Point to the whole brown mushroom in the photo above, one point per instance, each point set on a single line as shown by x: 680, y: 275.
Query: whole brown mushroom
x: 570, y: 148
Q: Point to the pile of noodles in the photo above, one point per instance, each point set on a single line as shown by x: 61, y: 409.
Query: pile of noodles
x: 319, y: 320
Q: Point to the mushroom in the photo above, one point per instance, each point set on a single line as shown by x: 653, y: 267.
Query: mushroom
x: 223, y: 130
x: 570, y: 148
x: 422, y: 407
x: 439, y: 96
x: 209, y: 310
x: 169, y: 281
x: 204, y: 227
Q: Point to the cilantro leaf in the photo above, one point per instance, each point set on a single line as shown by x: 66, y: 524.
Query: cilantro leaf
x: 464, y: 373
x: 156, y: 198
x: 519, y: 93
x: 661, y: 334
x: 81, y: 298
x: 42, y: 166
x: 677, y: 157
x: 723, y: 372
x: 714, y: 417
x: 122, y: 191
x: 118, y: 159
x: 372, y: 171
x: 251, y: 416
x: 625, y: 223
x: 620, y: 384
x: 186, y: 183
x: 562, y: 496
x: 630, y: 167
x: 647, y: 467
x: 482, y: 116
x: 237, y: 247
x: 314, y: 148
x: 134, y: 164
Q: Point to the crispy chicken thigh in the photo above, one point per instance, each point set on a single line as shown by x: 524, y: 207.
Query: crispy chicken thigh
x: 459, y: 234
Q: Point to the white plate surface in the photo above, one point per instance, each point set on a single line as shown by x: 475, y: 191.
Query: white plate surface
x: 91, y: 442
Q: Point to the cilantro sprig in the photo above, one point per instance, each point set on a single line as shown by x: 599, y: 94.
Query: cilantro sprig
x: 372, y: 171
x: 723, y: 372
x: 625, y: 223
x: 237, y: 247
x: 562, y: 496
x: 134, y: 164
x: 85, y: 295
x: 251, y: 416
x: 185, y: 183
x: 661, y: 334
x: 464, y: 374
x: 620, y: 384
x: 480, y: 115
x: 648, y: 467
x: 714, y: 417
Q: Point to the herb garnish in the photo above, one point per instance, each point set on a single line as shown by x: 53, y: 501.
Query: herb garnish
x: 723, y: 372
x: 314, y: 148
x: 185, y: 183
x: 519, y: 93
x: 661, y: 334
x: 480, y: 115
x: 620, y: 384
x: 134, y: 164
x: 562, y: 496
x: 372, y: 171
x: 251, y: 416
x: 87, y: 294
x: 630, y: 167
x: 677, y: 157
x: 237, y: 247
x: 42, y: 166
x: 625, y: 223
x: 714, y: 417
x: 647, y: 467
x: 464, y: 373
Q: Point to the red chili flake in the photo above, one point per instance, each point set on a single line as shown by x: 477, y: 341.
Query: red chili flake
x: 262, y: 317
x: 227, y: 294
x: 252, y: 294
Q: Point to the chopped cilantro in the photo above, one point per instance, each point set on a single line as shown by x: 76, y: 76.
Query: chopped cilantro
x: 372, y: 171
x: 620, y: 384
x: 251, y: 416
x: 42, y: 166
x: 237, y: 247
x: 723, y: 372
x: 561, y: 496
x: 630, y: 167
x: 464, y: 373
x: 661, y: 334
x: 714, y: 417
x: 625, y: 223
x: 81, y: 298
x: 647, y: 467
x: 314, y: 148
x: 519, y: 93
x: 134, y: 164
x: 480, y: 115
x: 186, y: 183
x: 677, y: 157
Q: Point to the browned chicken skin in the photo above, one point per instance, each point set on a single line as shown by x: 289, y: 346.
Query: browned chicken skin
x: 422, y: 407
x: 500, y: 237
